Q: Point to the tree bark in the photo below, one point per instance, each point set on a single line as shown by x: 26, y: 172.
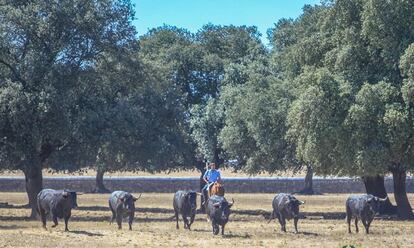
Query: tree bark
x: 375, y: 186
x: 308, y: 189
x: 201, y: 167
x: 99, y: 182
x: 34, y: 184
x: 404, y: 209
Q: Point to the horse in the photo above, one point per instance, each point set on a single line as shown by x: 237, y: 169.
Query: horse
x: 216, y: 189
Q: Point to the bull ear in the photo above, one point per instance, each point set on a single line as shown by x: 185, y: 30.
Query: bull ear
x: 301, y: 202
x: 216, y: 205
x: 65, y: 194
x: 135, y: 198
x: 232, y: 202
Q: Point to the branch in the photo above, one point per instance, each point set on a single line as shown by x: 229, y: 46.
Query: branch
x: 14, y: 71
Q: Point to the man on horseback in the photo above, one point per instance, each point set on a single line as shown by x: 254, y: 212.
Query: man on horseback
x: 210, y: 177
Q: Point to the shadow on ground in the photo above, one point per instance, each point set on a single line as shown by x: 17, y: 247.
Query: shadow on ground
x: 91, y: 234
x: 11, y: 227
x: 234, y: 235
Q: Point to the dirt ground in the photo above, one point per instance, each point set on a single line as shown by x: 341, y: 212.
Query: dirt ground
x: 323, y: 226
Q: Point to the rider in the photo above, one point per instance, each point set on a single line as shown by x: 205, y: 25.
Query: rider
x: 210, y: 177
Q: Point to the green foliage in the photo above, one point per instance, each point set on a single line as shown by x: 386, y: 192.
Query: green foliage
x: 206, y: 122
x: 315, y: 121
x: 254, y: 130
x: 47, y: 50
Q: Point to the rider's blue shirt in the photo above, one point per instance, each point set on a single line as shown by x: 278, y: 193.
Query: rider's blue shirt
x: 212, y: 175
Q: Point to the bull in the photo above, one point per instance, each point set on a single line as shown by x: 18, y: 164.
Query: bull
x: 218, y: 211
x: 185, y: 203
x: 363, y: 207
x: 286, y: 206
x: 57, y: 203
x: 122, y: 204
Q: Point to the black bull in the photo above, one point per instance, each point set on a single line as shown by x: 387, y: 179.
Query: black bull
x: 286, y: 206
x: 218, y: 211
x: 363, y: 207
x: 58, y: 203
x: 185, y: 203
x: 122, y: 203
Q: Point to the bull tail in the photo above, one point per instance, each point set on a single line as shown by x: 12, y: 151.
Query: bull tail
x: 272, y: 216
x: 37, y: 206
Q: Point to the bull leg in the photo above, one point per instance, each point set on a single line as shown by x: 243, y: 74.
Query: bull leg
x: 222, y: 229
x: 113, y: 214
x: 112, y: 218
x: 55, y: 221
x: 366, y: 224
x: 130, y: 220
x: 216, y: 228
x: 66, y: 224
x: 119, y: 220
x: 348, y: 220
x: 176, y: 218
x: 185, y: 221
x: 282, y: 222
x: 295, y: 223
x: 191, y: 221
x: 43, y: 217
x: 356, y: 225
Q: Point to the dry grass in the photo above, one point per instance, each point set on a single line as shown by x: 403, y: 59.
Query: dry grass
x: 154, y: 227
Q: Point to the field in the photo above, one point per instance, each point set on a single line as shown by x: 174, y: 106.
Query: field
x: 324, y: 226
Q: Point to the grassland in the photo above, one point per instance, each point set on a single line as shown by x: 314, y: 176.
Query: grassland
x: 324, y: 226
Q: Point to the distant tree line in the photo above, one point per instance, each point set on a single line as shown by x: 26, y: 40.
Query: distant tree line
x: 334, y: 93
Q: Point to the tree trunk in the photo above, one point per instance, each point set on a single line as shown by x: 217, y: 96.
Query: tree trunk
x: 34, y: 184
x: 374, y: 185
x: 99, y: 185
x: 404, y: 209
x: 308, y: 189
x: 201, y: 167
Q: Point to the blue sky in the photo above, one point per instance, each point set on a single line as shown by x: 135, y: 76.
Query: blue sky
x: 193, y: 14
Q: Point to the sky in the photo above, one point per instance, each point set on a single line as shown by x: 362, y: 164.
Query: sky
x: 193, y: 14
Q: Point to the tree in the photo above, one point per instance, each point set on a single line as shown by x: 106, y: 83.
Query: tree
x: 255, y: 125
x: 386, y: 145
x: 224, y: 48
x: 46, y: 51
x: 206, y: 122
x: 141, y: 125
x: 350, y: 40
x: 194, y: 64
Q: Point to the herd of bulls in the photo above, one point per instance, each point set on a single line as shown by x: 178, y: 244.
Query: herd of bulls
x: 59, y: 203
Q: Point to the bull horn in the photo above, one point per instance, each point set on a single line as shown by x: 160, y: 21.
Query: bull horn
x: 383, y: 199
x: 216, y: 204
x: 232, y: 202
x: 301, y: 202
x: 135, y: 198
x: 80, y: 193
